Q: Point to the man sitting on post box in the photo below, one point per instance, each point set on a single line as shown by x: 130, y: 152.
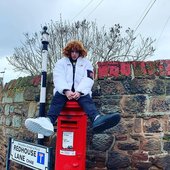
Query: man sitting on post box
x: 73, y: 80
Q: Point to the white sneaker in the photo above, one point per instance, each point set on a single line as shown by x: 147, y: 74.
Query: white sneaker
x: 40, y: 125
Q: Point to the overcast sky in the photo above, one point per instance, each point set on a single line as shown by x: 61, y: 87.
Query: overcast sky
x: 21, y: 16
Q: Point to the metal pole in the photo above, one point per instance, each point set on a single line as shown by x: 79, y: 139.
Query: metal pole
x: 8, y: 154
x: 45, y: 43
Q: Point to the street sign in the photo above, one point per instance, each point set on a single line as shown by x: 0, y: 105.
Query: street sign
x: 31, y: 155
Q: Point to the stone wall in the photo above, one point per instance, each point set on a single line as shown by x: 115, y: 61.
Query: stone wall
x: 140, y: 91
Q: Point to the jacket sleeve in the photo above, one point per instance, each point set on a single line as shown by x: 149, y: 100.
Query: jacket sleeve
x: 59, y: 77
x: 87, y: 82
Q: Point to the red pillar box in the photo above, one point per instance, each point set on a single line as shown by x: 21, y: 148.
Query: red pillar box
x: 71, y: 138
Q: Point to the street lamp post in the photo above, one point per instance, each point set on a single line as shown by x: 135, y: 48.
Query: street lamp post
x: 45, y: 42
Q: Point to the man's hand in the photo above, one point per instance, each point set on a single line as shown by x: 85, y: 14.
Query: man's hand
x: 76, y: 95
x: 69, y: 94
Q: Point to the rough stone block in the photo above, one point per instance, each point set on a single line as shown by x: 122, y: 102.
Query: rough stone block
x: 121, y: 137
x: 11, y: 109
x: 152, y: 145
x: 11, y: 85
x: 19, y: 97
x: 167, y: 87
x: 102, y: 142
x: 159, y: 104
x: 168, y: 68
x: 36, y: 80
x: 114, y: 69
x: 16, y: 121
x: 110, y: 87
x: 95, y: 159
x: 161, y: 162
x: 159, y: 87
x: 139, y: 156
x: 117, y: 160
x: 7, y: 109
x: 139, y: 68
x: 128, y: 145
x: 96, y: 89
x: 141, y: 86
x: 164, y: 67
x: 8, y: 121
x: 6, y: 98
x: 32, y: 109
x: 151, y: 68
x: 102, y: 69
x: 2, y: 120
x: 153, y: 125
x: 18, y: 111
x: 133, y: 105
x: 137, y: 136
x: 144, y: 166
x: 166, y: 146
x: 125, y: 69
x: 30, y: 93
x: 11, y: 132
x: 138, y: 125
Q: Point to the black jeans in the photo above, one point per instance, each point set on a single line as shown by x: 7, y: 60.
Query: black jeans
x: 59, y: 101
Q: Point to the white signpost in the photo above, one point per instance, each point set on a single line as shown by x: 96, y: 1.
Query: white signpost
x: 33, y: 156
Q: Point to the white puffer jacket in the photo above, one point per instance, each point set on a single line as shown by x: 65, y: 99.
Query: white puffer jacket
x: 63, y: 75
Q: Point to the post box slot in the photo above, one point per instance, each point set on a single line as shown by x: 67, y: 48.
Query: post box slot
x: 68, y: 123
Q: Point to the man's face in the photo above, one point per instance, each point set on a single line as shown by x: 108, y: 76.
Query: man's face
x: 74, y: 54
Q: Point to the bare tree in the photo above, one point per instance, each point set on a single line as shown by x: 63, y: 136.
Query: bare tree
x: 102, y: 45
